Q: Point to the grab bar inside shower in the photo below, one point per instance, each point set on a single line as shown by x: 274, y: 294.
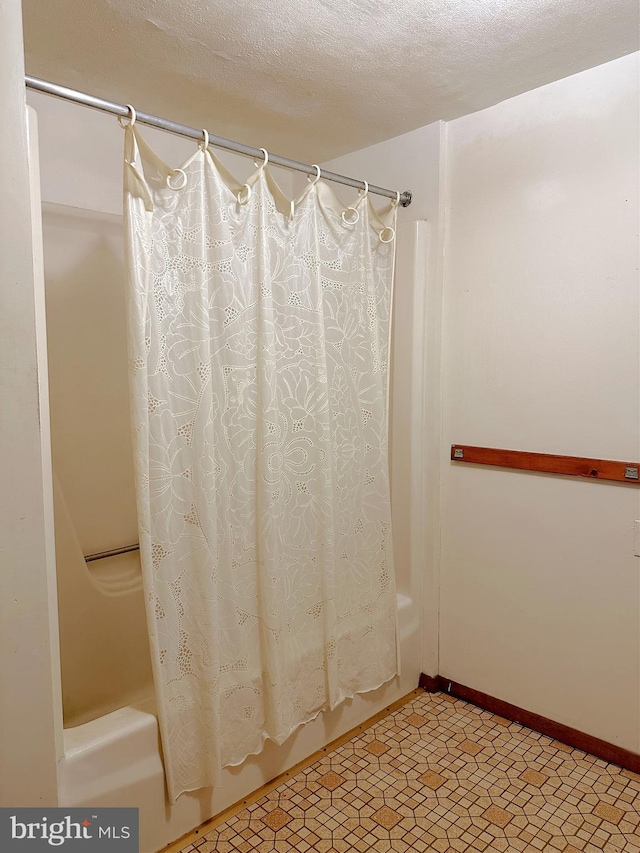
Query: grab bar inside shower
x: 114, y: 552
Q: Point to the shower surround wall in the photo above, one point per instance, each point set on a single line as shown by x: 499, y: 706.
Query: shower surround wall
x: 112, y: 755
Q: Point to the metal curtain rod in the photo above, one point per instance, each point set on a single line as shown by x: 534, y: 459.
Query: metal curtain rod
x: 193, y: 133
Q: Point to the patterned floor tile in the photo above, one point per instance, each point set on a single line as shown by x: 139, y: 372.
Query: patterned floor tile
x: 441, y: 775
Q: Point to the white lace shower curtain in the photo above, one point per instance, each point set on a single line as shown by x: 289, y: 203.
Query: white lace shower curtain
x: 259, y: 342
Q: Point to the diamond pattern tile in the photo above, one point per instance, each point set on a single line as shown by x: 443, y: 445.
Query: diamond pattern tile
x: 457, y: 779
x: 432, y: 779
x: 331, y: 780
x: 498, y: 816
x: 276, y: 819
x: 532, y: 777
x: 376, y: 747
x: 386, y: 817
x: 610, y: 813
x: 470, y: 747
x: 416, y: 720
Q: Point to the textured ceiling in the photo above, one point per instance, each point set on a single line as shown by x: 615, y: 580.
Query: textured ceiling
x: 317, y: 78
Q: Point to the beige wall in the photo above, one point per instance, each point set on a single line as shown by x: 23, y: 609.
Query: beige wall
x: 539, y: 585
x: 30, y: 706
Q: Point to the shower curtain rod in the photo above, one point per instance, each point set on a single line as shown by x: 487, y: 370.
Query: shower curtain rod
x: 193, y: 133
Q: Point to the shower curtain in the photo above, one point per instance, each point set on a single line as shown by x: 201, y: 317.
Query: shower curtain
x: 259, y: 345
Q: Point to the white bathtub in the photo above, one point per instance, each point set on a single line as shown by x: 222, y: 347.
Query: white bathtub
x: 115, y: 759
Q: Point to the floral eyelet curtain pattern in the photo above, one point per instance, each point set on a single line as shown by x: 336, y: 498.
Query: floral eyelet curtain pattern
x: 259, y: 347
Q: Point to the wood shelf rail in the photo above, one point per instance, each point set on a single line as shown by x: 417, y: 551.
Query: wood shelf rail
x: 548, y: 463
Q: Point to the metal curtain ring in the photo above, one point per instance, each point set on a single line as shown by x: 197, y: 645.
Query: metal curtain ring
x: 204, y: 143
x: 353, y: 220
x: 129, y: 120
x: 182, y: 184
x: 244, y: 194
x: 388, y: 231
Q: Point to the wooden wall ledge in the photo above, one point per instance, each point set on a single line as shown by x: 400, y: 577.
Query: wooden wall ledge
x: 548, y: 463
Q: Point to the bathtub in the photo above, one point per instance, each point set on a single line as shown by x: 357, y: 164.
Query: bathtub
x: 116, y: 759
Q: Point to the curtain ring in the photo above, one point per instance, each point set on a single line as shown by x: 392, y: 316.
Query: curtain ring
x: 397, y: 201
x: 353, y: 219
x: 182, y: 184
x: 204, y: 143
x: 266, y: 159
x: 131, y: 117
x: 317, y: 177
x: 388, y: 231
x: 244, y: 194
x: 366, y: 190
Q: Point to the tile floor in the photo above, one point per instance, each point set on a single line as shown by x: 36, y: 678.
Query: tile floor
x: 440, y: 774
